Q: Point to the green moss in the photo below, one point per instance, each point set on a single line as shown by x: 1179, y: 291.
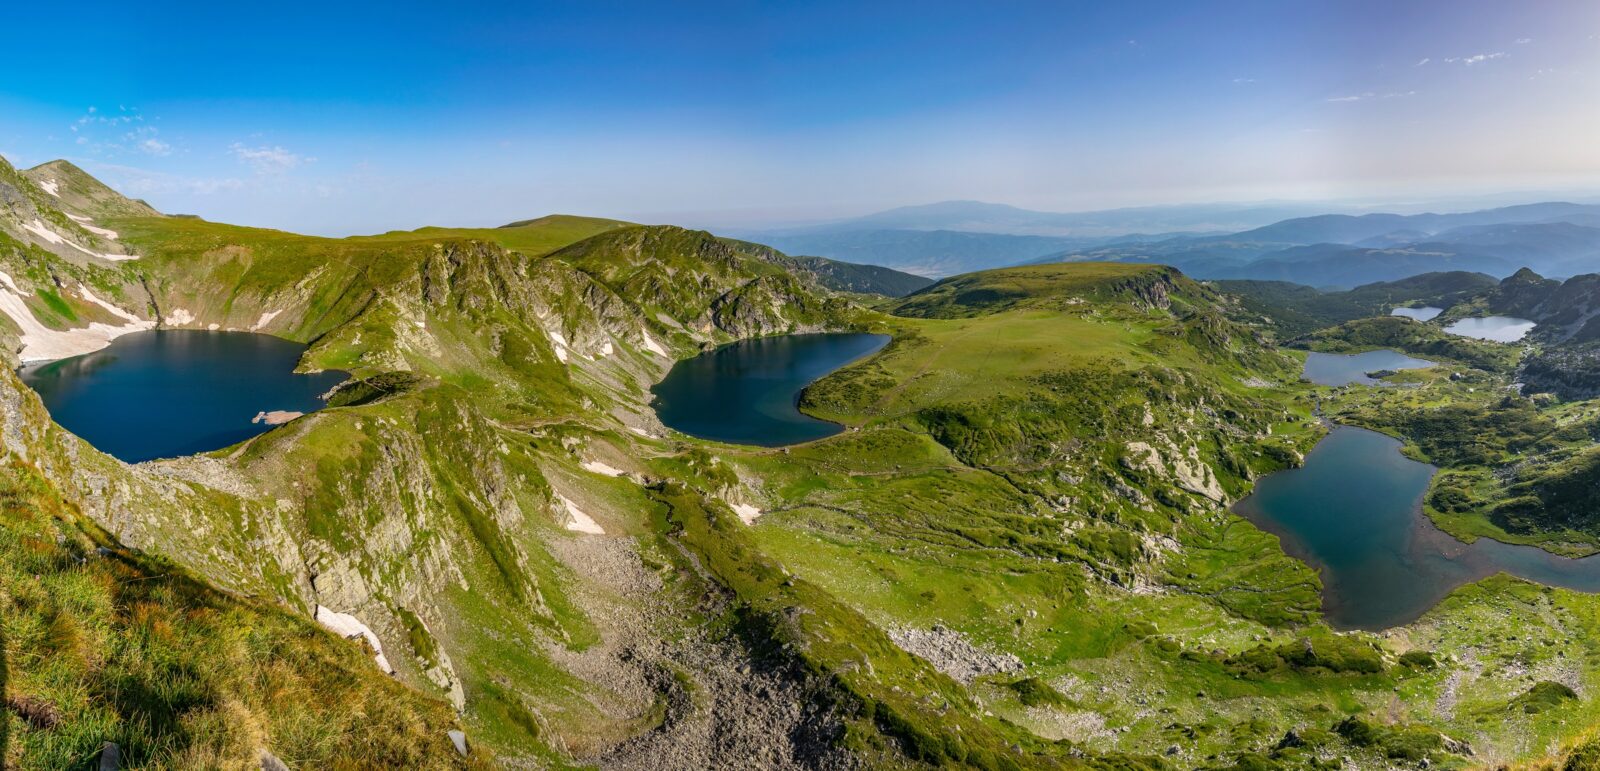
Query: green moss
x: 1033, y: 692
x: 1544, y: 695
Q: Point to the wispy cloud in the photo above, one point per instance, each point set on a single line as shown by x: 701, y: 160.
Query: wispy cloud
x: 123, y: 131
x: 1522, y: 41
x: 138, y: 182
x: 1422, y: 61
x: 268, y: 160
x: 153, y: 146
x: 1244, y: 80
x: 1476, y: 58
x: 1366, y: 95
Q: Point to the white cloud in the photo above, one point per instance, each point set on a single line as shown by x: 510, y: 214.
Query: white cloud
x: 1244, y: 80
x: 1522, y: 41
x: 121, y: 132
x: 1422, y: 61
x: 1476, y: 58
x: 267, y: 160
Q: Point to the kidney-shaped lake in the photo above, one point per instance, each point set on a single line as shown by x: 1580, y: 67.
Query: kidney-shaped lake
x: 749, y: 392
x: 165, y: 393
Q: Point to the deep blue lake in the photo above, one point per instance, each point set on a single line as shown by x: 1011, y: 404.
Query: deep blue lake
x: 1336, y: 369
x: 749, y: 392
x: 171, y: 392
x: 1354, y: 512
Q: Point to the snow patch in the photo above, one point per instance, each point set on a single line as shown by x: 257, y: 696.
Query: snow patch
x: 266, y: 318
x: 38, y: 228
x: 88, y: 224
x: 652, y: 346
x: 578, y: 521
x: 601, y: 468
x: 606, y: 349
x: 350, y: 627
x: 275, y: 417
x: 51, y: 186
x: 560, y: 341
x: 213, y: 326
x: 41, y: 343
x: 84, y: 292
x: 178, y: 317
x: 747, y: 514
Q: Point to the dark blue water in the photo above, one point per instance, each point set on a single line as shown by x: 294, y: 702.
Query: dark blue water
x: 1338, y: 369
x: 1354, y: 512
x: 748, y: 392
x: 165, y: 393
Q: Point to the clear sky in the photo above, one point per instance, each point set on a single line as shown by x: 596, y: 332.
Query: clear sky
x: 338, y: 118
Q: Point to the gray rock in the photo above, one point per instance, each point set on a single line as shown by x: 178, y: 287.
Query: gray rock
x: 459, y: 739
x: 270, y: 762
x: 110, y: 757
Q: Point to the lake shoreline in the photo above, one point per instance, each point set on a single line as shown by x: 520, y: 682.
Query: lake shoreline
x: 1383, y: 562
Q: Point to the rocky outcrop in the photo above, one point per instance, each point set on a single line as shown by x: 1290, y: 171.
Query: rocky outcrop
x: 1183, y: 467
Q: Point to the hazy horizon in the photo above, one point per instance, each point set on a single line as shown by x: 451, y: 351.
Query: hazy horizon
x: 744, y: 117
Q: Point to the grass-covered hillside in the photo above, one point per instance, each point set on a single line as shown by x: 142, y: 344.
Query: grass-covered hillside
x: 105, y: 644
x: 1019, y: 554
x: 1292, y: 310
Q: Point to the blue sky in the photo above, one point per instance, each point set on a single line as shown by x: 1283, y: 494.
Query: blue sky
x: 340, y: 118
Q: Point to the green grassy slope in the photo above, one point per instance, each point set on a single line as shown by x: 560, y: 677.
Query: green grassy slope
x: 103, y: 644
x: 535, y: 237
x: 1020, y: 554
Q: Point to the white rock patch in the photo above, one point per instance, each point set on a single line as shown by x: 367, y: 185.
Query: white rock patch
x: 652, y: 346
x: 606, y: 349
x: 41, y: 343
x: 350, y: 627
x: 266, y: 318
x: 88, y: 224
x: 1186, y: 468
x: 578, y: 521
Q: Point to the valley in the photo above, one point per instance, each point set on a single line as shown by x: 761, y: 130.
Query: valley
x: 1027, y: 534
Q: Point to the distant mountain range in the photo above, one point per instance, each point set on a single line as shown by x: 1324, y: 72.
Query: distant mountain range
x: 1280, y: 242
x: 981, y: 217
x: 1341, y: 251
x: 953, y: 237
